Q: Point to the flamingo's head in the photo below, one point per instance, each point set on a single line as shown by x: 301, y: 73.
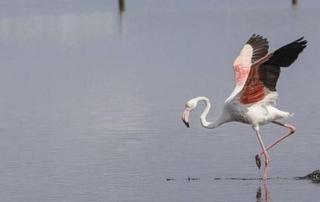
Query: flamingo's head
x: 190, y: 105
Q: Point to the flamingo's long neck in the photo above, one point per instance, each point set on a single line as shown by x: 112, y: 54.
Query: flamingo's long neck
x: 203, y: 118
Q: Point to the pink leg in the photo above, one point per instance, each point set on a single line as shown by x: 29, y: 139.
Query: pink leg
x: 263, y: 194
x: 266, y: 191
x: 266, y: 171
x: 291, y: 128
x: 267, y: 158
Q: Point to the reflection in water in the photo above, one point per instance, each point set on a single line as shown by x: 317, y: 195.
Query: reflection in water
x: 122, y: 8
x: 66, y: 29
x: 95, y: 116
x: 258, y: 195
x: 263, y: 195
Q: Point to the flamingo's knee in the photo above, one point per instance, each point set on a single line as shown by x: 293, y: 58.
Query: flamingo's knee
x: 292, y: 128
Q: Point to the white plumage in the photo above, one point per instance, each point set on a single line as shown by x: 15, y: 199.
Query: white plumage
x: 254, y: 97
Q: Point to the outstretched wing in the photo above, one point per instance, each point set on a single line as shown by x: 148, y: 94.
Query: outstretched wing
x: 263, y: 76
x: 255, y: 48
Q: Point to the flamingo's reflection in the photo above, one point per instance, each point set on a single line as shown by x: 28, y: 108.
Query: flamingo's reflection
x: 263, y: 194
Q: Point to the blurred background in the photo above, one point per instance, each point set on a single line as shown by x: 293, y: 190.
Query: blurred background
x: 91, y: 94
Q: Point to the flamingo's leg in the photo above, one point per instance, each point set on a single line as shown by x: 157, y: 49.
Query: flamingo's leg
x: 291, y: 128
x: 266, y: 191
x: 267, y: 158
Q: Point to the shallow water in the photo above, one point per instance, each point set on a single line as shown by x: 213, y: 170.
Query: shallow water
x: 90, y: 101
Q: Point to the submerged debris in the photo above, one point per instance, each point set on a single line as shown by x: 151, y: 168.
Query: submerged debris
x: 192, y: 178
x: 314, y: 176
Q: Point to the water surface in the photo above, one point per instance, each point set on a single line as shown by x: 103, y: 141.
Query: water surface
x: 90, y: 102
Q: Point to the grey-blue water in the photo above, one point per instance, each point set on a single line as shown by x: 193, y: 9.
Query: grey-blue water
x: 90, y: 102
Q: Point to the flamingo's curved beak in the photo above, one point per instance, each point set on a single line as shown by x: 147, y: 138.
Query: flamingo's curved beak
x: 185, y: 117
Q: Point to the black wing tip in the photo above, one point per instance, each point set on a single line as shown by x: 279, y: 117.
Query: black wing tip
x: 301, y: 42
x: 286, y: 55
x: 260, y: 46
x: 300, y: 39
x: 256, y: 38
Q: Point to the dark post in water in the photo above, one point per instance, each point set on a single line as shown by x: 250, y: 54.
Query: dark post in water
x: 122, y: 6
x: 295, y: 2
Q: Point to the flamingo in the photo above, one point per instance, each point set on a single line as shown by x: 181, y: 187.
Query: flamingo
x: 253, y: 100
